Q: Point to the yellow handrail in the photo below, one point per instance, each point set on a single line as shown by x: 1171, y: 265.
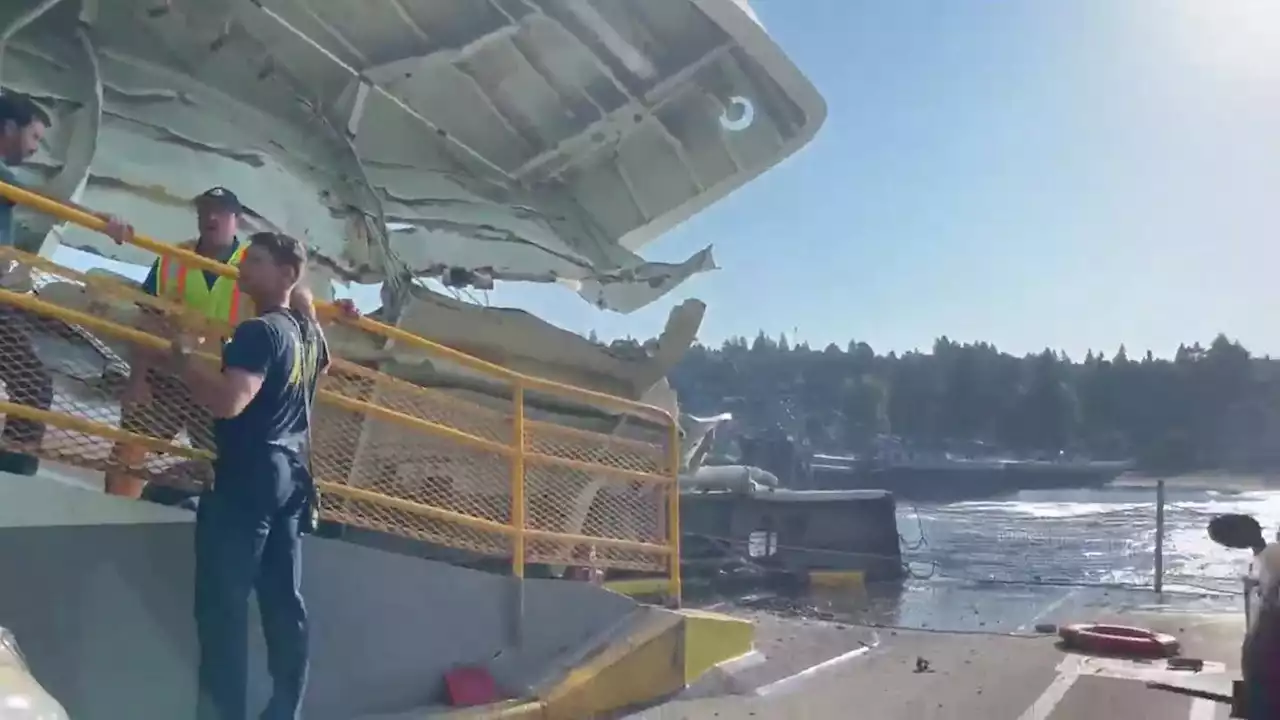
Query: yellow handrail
x: 90, y: 427
x: 33, y: 304
x: 137, y: 337
x: 89, y: 221
x: 520, y: 453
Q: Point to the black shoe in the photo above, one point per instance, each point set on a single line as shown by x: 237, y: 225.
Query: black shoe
x: 19, y: 463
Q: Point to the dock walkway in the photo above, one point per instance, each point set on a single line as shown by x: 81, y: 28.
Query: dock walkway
x: 997, y: 677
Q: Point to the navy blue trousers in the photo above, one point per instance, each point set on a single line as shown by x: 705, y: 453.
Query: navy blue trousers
x: 244, y: 546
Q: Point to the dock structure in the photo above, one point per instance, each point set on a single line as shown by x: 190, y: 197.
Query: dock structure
x: 98, y: 592
x: 905, y: 674
x: 98, y: 587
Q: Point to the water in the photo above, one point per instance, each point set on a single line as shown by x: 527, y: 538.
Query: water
x: 1095, y: 537
x: 1056, y: 557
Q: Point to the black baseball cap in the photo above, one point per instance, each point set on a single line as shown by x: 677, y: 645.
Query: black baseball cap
x: 219, y: 198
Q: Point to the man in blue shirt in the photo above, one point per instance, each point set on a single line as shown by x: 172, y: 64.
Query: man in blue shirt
x: 26, y: 380
x: 262, y: 499
x: 154, y: 403
x: 22, y: 125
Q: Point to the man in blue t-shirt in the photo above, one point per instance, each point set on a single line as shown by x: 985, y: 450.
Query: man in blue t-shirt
x: 22, y: 125
x: 262, y: 499
x: 26, y: 379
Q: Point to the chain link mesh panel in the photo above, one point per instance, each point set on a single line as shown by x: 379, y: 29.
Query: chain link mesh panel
x: 430, y: 464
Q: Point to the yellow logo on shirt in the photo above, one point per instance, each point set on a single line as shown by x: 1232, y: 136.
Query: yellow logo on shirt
x: 306, y: 363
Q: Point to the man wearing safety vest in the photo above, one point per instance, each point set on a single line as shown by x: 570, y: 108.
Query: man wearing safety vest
x: 155, y: 403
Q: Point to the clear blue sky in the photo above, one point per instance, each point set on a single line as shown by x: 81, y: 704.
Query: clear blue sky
x: 1070, y: 173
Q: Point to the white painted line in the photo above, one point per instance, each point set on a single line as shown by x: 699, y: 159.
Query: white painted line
x: 1048, y: 609
x: 793, y: 682
x: 722, y: 679
x: 1203, y: 709
x: 740, y: 663
x: 1068, y: 673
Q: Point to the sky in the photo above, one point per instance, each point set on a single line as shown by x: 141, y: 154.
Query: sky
x: 1045, y: 173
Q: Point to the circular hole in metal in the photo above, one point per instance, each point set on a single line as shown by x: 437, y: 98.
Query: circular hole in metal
x: 738, y: 115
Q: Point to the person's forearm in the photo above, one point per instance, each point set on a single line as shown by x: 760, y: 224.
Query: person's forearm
x: 302, y: 300
x: 142, y: 361
x: 139, y: 365
x: 145, y: 358
x: 208, y: 388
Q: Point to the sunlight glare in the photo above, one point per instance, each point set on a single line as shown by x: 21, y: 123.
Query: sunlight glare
x: 1233, y: 37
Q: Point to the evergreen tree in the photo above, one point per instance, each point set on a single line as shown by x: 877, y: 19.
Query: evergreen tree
x: 1208, y: 407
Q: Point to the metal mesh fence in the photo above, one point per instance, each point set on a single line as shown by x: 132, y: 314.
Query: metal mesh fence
x: 435, y: 464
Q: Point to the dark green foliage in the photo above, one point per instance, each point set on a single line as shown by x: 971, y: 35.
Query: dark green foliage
x: 1213, y: 407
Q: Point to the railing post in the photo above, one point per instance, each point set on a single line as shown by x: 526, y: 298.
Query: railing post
x: 1159, y: 580
x: 1249, y: 584
x: 517, y: 482
x: 674, y: 591
x: 518, y: 510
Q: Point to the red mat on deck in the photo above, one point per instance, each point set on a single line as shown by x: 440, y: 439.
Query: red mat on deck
x: 470, y: 686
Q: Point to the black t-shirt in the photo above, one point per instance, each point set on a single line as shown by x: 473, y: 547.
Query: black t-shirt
x: 267, y: 445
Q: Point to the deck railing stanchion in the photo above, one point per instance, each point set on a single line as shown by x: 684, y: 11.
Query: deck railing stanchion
x: 1159, y: 573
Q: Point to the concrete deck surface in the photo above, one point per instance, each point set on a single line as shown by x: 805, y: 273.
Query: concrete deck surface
x: 995, y: 677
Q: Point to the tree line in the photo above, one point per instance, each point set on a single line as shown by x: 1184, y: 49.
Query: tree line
x: 1206, y: 408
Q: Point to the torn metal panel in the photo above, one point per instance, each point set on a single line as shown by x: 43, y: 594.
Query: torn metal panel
x: 540, y: 140
x: 522, y: 342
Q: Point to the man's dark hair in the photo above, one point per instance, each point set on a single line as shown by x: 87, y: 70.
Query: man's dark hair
x: 284, y: 250
x: 21, y: 110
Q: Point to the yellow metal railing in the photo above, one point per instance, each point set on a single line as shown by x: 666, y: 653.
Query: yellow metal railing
x: 468, y: 471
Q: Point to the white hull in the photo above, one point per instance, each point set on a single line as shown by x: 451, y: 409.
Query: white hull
x: 546, y: 145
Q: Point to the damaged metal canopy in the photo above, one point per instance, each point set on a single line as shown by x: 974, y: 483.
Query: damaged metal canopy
x: 534, y: 140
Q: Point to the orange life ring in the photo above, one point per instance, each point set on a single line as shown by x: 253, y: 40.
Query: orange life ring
x: 1119, y: 640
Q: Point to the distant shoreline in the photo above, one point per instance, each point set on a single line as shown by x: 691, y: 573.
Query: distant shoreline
x: 1216, y: 480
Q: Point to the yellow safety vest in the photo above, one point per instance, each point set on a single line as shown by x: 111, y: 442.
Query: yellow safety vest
x: 187, y: 285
